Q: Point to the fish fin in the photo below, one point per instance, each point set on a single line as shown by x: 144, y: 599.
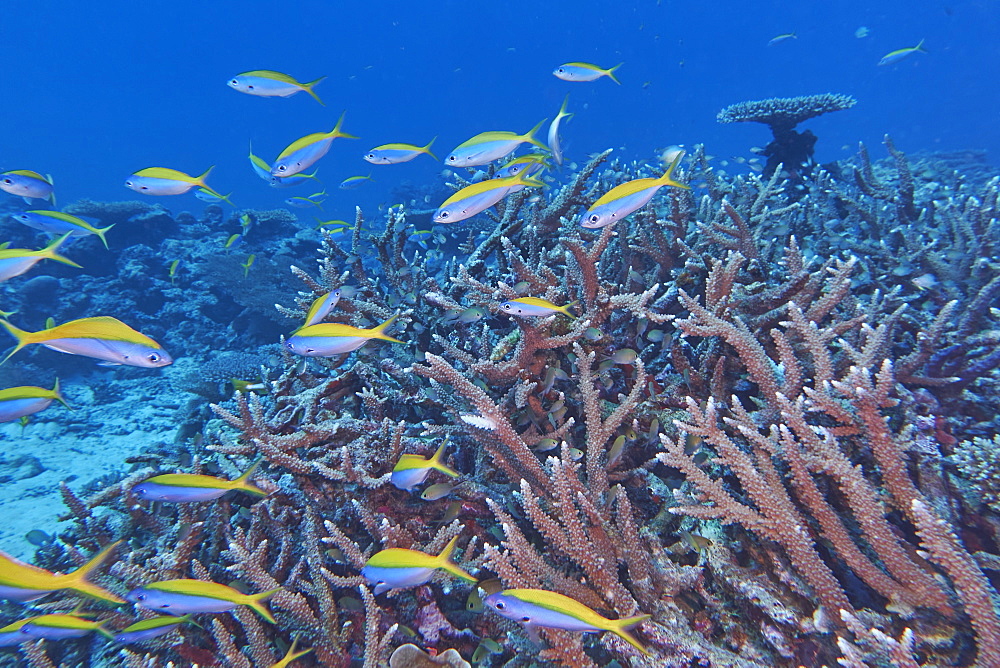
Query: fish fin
x: 565, y: 309
x: 59, y: 396
x: 201, y: 180
x: 19, y: 334
x: 243, y: 482
x: 336, y: 129
x: 437, y: 461
x: 77, y: 579
x: 667, y: 178
x: 427, y: 149
x: 308, y: 87
x: 529, y: 136
x: 611, y: 73
x: 445, y: 562
x: 50, y: 251
x: 52, y: 195
x: 919, y: 47
x: 104, y: 632
x: 27, y: 199
x: 256, y: 602
x: 379, y: 332
x: 619, y: 628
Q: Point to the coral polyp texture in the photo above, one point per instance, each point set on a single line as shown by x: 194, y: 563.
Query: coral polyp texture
x: 767, y: 428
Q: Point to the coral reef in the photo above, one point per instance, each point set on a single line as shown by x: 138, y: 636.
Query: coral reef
x: 749, y: 432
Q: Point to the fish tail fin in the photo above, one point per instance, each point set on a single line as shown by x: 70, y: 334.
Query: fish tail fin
x: 529, y: 136
x: 50, y: 251
x: 77, y: 580
x: 101, y: 231
x: 52, y: 195
x: 103, y: 631
x: 201, y: 180
x: 379, y: 332
x: 225, y: 198
x: 437, y: 461
x: 919, y: 47
x: 58, y: 395
x: 256, y: 603
x: 19, y: 334
x: 611, y: 73
x: 667, y: 178
x: 565, y: 309
x: 427, y: 149
x: 308, y: 87
x: 243, y: 482
x: 336, y: 128
x: 445, y: 562
x: 620, y: 628
x: 531, y: 181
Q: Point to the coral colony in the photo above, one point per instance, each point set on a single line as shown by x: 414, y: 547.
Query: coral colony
x: 743, y: 426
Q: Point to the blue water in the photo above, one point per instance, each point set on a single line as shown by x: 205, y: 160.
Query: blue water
x: 94, y: 93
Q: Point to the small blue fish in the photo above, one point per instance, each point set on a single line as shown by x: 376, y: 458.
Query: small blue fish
x: 399, y: 568
x: 58, y: 223
x: 531, y: 164
x: 899, y: 54
x: 60, y: 626
x: 148, y: 629
x: 267, y: 83
x: 534, y: 307
x: 326, y: 339
x: 17, y: 402
x: 489, y: 146
x: 102, y: 337
x: 585, y: 72
x: 28, y: 184
x: 302, y: 153
x: 412, y: 470
x: 189, y: 596
x: 782, y: 38
x: 316, y: 200
x: 622, y: 200
x: 162, y: 181
x: 263, y: 170
x: 478, y: 197
x: 212, y: 197
x: 16, y: 261
x: 352, y: 182
x: 321, y: 307
x: 23, y: 582
x: 394, y: 154
x: 188, y: 487
x: 554, y: 132
x: 11, y: 635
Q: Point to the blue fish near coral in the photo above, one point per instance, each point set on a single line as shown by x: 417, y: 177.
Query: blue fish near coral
x: 325, y: 339
x: 28, y: 184
x: 394, y: 154
x: 60, y: 626
x: 628, y: 197
x: 59, y: 223
x: 412, y: 470
x: 184, y: 596
x: 16, y: 261
x: 534, y: 307
x: 11, y: 635
x: 302, y: 153
x: 148, y: 629
x: 537, y: 607
x: 189, y: 487
x: 321, y: 307
x: 24, y: 582
x: 489, y: 146
x: 164, y: 181
x: 103, y: 337
x: 17, y: 402
x: 399, y: 568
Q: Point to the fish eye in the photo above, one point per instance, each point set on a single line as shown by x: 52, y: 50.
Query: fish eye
x: 562, y: 69
x: 443, y: 214
x: 153, y: 357
x: 8, y: 181
x: 141, y: 597
x: 452, y: 158
x: 595, y: 218
x: 371, y: 155
x: 336, y: 293
x: 500, y: 605
x: 235, y: 82
x: 282, y: 168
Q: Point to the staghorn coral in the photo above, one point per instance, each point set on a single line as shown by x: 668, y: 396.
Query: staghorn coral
x: 810, y: 476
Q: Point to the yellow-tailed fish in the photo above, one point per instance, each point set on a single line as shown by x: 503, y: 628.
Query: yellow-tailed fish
x: 24, y: 582
x: 28, y: 184
x: 191, y: 596
x: 316, y: 200
x: 585, y: 72
x: 532, y: 163
x: 537, y: 607
x: 329, y: 338
x: 59, y: 626
x: 398, y: 568
x: 478, y: 197
x: 291, y: 655
x: 188, y: 487
x: 16, y: 261
x: 245, y: 221
x: 232, y: 240
x: 622, y: 200
x: 164, y: 181
x: 11, y: 635
x: 411, y: 470
x: 59, y: 223
x: 782, y: 38
x: 17, y: 402
x: 302, y: 153
x: 148, y: 629
x: 266, y: 83
x: 321, y: 307
x: 489, y: 146
x: 534, y: 307
x: 172, y: 271
x: 212, y: 197
x: 554, y: 132
x: 899, y: 54
x: 103, y: 337
x: 393, y: 154
x: 352, y: 182
x: 247, y: 263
